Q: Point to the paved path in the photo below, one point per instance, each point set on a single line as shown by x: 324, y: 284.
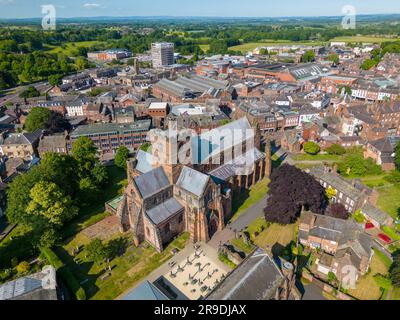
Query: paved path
x: 241, y: 223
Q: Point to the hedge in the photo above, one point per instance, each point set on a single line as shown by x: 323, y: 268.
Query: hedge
x: 65, y: 274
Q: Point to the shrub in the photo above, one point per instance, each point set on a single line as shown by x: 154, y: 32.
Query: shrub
x: 336, y: 149
x: 52, y: 258
x: 23, y: 267
x: 312, y: 148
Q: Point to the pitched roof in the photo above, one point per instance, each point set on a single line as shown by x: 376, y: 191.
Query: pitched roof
x: 375, y: 213
x: 164, y: 211
x: 146, y: 291
x: 144, y: 161
x: 193, y: 181
x: 257, y: 278
x: 30, y: 288
x: 151, y: 182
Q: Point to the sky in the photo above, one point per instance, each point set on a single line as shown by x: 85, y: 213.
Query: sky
x: 210, y: 8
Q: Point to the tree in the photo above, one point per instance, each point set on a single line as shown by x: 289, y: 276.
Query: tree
x: 61, y: 169
x: 97, y: 251
x: 334, y: 58
x: 57, y: 123
x: 49, y: 202
x: 84, y: 152
x: 397, y: 156
x: 395, y: 269
x: 121, y: 157
x: 290, y: 191
x: 55, y: 79
x: 336, y: 149
x: 37, y: 119
x: 309, y: 56
x: 312, y: 148
x: 31, y: 92
x: 337, y: 210
x: 18, y: 195
x: 354, y: 164
x: 264, y: 51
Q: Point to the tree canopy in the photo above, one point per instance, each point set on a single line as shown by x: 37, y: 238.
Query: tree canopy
x: 290, y: 191
x: 312, y: 148
x: 37, y: 119
x: 337, y: 210
x: 121, y: 157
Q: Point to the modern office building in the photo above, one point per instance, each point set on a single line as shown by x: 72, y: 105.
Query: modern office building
x: 162, y: 54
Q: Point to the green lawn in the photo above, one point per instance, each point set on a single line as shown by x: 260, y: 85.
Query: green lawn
x: 247, y: 199
x: 71, y: 46
x: 277, y: 236
x: 367, y: 288
x: 127, y: 270
x: 204, y: 47
x: 366, y: 39
x: 389, y: 200
x: 245, y: 47
x: 318, y: 157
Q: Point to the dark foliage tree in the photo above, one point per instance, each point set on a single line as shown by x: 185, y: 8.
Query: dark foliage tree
x: 397, y: 156
x: 57, y: 123
x: 395, y: 269
x: 290, y: 191
x: 337, y: 210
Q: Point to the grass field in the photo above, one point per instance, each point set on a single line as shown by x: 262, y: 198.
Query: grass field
x: 367, y: 289
x: 276, y: 236
x: 72, y: 46
x: 127, y: 270
x: 245, y: 200
x: 204, y: 47
x: 318, y: 157
x: 365, y: 39
x: 389, y: 200
x: 268, y: 43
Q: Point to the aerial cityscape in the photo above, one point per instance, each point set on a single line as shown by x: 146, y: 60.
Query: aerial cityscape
x: 213, y: 151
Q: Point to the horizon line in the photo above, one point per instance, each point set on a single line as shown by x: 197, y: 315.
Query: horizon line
x: 205, y: 16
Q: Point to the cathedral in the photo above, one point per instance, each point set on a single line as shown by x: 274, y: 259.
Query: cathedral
x: 166, y: 196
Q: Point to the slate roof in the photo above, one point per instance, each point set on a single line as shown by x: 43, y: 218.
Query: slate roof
x: 146, y: 292
x: 23, y: 138
x: 111, y: 128
x: 230, y: 135
x: 375, y: 213
x: 151, y: 182
x: 257, y: 278
x: 241, y: 165
x: 383, y: 145
x: 193, y: 181
x: 144, y: 161
x: 336, y: 182
x: 164, y: 211
x: 29, y: 288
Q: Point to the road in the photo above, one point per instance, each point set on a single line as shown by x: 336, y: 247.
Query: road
x: 42, y: 86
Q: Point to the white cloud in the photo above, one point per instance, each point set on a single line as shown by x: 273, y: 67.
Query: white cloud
x: 91, y: 5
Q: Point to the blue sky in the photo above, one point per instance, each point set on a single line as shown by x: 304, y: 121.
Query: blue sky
x: 230, y: 8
